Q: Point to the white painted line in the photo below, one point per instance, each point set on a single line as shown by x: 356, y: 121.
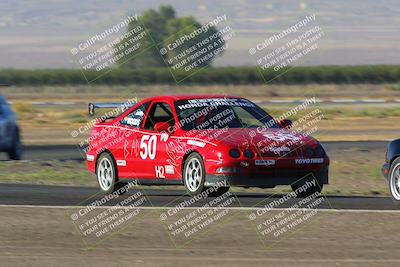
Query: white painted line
x: 373, y: 100
x: 195, y: 208
x: 344, y: 100
x: 55, y: 103
x: 282, y: 101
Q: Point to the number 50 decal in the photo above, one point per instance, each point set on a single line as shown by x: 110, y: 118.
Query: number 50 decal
x: 148, y: 146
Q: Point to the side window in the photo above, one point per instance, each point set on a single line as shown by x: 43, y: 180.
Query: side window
x: 159, y: 112
x: 135, y: 118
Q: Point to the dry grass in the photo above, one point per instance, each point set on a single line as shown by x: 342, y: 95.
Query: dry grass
x: 53, y: 125
x: 87, y: 93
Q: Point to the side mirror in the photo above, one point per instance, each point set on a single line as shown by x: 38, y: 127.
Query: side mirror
x: 286, y: 124
x: 161, y: 126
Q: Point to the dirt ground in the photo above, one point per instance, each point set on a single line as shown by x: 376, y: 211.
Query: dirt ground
x: 47, y: 237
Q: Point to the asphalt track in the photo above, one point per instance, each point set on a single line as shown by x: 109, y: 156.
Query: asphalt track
x: 45, y: 195
x: 50, y: 152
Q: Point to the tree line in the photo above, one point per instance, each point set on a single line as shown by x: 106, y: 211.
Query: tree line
x: 208, y: 75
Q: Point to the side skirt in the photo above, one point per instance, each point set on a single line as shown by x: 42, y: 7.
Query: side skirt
x: 151, y: 181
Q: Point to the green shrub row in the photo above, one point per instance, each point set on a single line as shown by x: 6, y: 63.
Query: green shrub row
x: 226, y: 75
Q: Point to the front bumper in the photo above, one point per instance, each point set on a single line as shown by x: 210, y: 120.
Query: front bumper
x: 385, y: 170
x: 91, y: 162
x: 278, y: 177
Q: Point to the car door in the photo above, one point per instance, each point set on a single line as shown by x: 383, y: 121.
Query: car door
x: 128, y: 156
x: 153, y: 144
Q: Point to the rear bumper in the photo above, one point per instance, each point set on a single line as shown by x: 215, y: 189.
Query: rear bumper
x: 385, y: 170
x: 280, y: 177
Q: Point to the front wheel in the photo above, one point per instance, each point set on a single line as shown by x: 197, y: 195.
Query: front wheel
x: 307, y: 187
x: 194, y: 174
x: 394, y: 181
x: 106, y: 173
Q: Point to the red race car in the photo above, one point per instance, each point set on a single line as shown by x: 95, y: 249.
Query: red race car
x: 200, y: 141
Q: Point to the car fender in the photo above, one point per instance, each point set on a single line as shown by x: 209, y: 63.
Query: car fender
x: 393, y: 151
x: 111, y: 155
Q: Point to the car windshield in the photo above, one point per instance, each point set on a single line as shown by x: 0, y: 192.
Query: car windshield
x: 217, y: 113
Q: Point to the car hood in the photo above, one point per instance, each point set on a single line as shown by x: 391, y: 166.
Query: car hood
x: 261, y: 137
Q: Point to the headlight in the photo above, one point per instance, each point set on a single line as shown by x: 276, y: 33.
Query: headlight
x: 248, y: 153
x: 234, y: 153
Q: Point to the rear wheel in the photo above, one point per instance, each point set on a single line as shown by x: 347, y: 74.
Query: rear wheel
x: 194, y: 174
x: 394, y: 181
x: 306, y: 187
x: 15, y: 152
x: 107, y: 175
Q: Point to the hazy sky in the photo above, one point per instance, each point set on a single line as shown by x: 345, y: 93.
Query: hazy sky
x: 40, y: 34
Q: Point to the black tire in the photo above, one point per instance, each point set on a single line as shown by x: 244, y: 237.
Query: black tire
x: 15, y: 152
x: 310, y: 190
x: 394, y: 186
x: 219, y: 192
x: 107, y: 175
x: 194, y: 174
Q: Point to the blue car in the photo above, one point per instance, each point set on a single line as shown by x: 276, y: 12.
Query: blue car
x: 9, y: 132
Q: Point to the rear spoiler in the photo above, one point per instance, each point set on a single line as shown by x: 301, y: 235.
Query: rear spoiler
x: 118, y: 108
